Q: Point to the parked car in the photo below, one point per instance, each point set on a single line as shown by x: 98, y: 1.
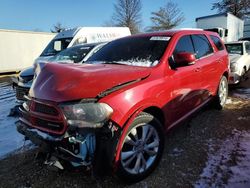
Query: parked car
x: 110, y: 114
x: 244, y: 38
x: 239, y: 53
x: 76, y: 54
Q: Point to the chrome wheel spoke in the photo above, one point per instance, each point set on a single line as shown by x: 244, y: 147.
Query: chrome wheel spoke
x: 145, y: 130
x: 138, y: 163
x: 126, y: 154
x: 149, y: 134
x: 151, y: 152
x: 153, y: 144
x: 129, y: 141
x: 144, y: 163
x: 128, y: 162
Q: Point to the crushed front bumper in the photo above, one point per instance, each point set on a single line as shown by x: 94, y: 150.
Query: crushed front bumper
x: 37, y: 137
x: 106, y: 142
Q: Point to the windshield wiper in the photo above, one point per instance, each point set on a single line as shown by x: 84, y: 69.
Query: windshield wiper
x: 48, y: 54
x: 114, y: 62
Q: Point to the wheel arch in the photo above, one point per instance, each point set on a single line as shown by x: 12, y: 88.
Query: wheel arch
x: 226, y: 75
x: 156, y: 112
x: 153, y: 110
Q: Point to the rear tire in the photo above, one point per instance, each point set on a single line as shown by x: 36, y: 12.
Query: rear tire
x: 142, y: 148
x: 222, y: 93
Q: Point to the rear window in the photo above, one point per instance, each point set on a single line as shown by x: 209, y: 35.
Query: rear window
x: 201, y: 45
x: 217, y: 42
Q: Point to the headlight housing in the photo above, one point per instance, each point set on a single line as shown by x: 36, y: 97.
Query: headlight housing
x: 89, y: 115
x: 233, y: 67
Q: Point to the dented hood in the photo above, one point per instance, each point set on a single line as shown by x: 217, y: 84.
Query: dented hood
x: 68, y: 82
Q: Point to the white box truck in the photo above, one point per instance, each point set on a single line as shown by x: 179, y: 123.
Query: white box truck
x: 81, y: 35
x: 247, y: 29
x: 229, y: 27
x: 19, y: 49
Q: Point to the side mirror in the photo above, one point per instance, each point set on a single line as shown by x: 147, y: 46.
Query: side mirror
x: 184, y: 59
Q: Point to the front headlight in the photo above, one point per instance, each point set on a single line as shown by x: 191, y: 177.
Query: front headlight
x: 233, y: 67
x: 90, y: 115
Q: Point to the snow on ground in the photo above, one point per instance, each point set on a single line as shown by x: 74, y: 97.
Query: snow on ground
x: 10, y: 139
x: 229, y: 166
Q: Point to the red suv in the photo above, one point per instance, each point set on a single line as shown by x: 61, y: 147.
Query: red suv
x: 111, y: 113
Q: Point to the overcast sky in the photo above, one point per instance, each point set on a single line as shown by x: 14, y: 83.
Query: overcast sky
x: 43, y: 14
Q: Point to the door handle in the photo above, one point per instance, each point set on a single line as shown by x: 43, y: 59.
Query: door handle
x: 198, y: 69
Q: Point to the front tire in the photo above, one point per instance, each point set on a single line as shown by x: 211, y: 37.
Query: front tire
x: 142, y: 148
x: 222, y: 93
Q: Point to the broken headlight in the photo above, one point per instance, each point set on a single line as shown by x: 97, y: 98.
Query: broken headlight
x: 91, y: 115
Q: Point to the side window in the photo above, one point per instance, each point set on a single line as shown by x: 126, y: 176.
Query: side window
x: 201, y: 45
x: 248, y: 47
x: 184, y: 45
x: 217, y: 42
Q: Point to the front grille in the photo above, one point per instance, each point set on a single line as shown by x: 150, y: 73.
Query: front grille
x: 43, y: 116
x: 55, y: 126
x: 45, y: 109
x: 20, y: 92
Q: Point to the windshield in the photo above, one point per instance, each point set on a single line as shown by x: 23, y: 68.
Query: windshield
x: 55, y: 46
x: 143, y: 51
x: 72, y: 55
x: 234, y: 49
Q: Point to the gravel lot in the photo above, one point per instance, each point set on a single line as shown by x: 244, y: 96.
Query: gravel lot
x: 209, y: 151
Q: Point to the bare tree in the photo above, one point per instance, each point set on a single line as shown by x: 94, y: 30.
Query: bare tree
x: 239, y: 8
x: 166, y: 17
x: 127, y: 14
x: 57, y: 28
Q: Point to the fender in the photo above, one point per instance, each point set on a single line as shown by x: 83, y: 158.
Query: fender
x: 123, y: 132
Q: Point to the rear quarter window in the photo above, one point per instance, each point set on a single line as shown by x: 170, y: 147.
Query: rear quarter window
x: 217, y: 42
x: 201, y: 45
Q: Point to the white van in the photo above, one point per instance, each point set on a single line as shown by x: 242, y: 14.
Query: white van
x: 81, y: 35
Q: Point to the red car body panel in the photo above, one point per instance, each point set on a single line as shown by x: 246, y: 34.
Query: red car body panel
x: 66, y: 82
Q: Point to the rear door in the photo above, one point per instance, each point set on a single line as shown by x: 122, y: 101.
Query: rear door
x: 209, y: 70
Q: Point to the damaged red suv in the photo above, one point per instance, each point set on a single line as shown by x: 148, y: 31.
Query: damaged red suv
x: 111, y: 113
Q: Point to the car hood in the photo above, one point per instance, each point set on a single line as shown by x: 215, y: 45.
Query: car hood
x: 234, y: 57
x: 68, y: 82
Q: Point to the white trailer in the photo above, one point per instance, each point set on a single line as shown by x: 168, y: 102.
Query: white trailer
x: 229, y: 27
x: 19, y: 49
